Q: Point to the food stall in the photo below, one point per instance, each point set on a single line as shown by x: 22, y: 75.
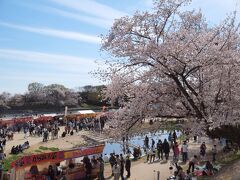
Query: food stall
x: 22, y: 120
x: 36, y: 166
x: 82, y: 114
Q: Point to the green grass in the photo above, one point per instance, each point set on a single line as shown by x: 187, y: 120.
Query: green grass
x: 43, y: 148
x: 53, y: 149
x: 7, y: 162
x: 38, y: 151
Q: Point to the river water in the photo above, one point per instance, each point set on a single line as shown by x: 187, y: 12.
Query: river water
x: 117, y: 148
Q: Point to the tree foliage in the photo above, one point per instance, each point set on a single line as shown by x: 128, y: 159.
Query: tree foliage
x: 4, y: 99
x: 171, y: 62
x: 92, y: 95
x: 53, y: 96
x: 226, y: 131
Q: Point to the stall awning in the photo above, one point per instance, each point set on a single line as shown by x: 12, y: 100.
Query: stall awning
x: 57, y: 156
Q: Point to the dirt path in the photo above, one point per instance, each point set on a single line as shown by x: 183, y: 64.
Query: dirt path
x: 35, y: 142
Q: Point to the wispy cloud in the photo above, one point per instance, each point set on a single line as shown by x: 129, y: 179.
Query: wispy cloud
x: 57, y: 61
x: 100, y: 22
x: 71, y: 71
x: 70, y: 35
x: 92, y: 8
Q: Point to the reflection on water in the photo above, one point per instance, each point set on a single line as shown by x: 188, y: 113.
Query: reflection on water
x: 136, y: 141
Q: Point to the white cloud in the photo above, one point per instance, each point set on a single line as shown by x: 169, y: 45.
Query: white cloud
x: 92, y: 8
x: 55, y: 61
x: 71, y: 71
x: 55, y: 33
x: 100, y: 22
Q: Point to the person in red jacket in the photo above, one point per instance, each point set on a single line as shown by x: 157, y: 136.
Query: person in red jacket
x: 176, y: 152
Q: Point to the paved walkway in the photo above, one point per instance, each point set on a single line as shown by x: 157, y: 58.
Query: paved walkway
x: 149, y: 171
x: 144, y: 171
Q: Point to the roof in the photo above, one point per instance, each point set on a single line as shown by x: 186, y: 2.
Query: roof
x: 86, y: 112
x: 51, y: 114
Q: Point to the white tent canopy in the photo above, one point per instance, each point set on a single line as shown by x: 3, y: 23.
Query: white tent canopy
x: 51, y: 114
x: 86, y: 112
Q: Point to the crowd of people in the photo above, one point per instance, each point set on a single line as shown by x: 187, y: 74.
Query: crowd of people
x: 62, y: 172
x: 119, y: 164
x: 5, y: 134
x: 50, y: 129
x: 19, y: 148
x: 154, y: 149
x: 160, y: 151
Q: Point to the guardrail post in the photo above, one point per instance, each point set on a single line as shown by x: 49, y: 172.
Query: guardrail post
x: 158, y: 175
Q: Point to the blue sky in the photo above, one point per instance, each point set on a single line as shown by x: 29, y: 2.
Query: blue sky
x: 57, y: 41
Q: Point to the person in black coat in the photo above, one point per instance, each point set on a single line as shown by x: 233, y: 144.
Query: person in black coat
x: 128, y: 166
x: 112, y: 161
x: 50, y: 173
x: 121, y: 166
x: 166, y: 148
x: 160, y: 150
x: 146, y: 142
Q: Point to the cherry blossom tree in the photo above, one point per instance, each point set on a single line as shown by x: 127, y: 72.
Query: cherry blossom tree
x: 170, y: 62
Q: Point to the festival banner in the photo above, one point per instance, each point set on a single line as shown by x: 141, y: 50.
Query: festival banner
x: 83, y: 152
x: 56, y: 156
x: 38, y: 158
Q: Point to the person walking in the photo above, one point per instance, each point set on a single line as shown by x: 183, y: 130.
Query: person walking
x: 148, y: 151
x: 160, y: 150
x: 101, y: 169
x: 116, y: 171
x: 25, y: 133
x: 192, y: 163
x: 112, y: 161
x: 176, y: 152
x: 184, y: 151
x: 128, y: 167
x: 166, y: 148
x: 170, y: 137
x: 153, y: 143
x: 146, y: 142
x: 203, y: 150
x: 152, y: 157
x: 174, y: 136
x: 122, y: 166
x: 214, y: 153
